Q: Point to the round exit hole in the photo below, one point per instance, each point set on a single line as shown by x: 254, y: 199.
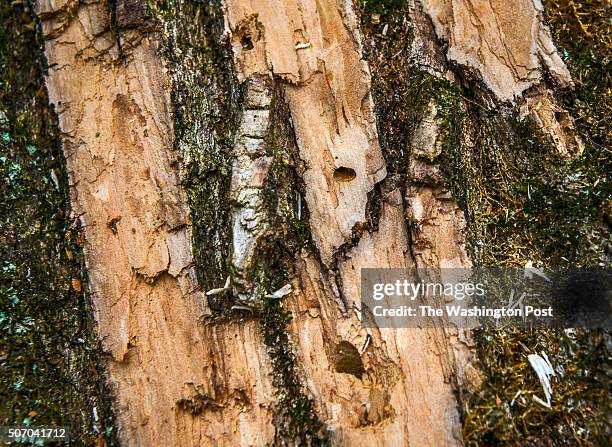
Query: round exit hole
x: 344, y: 174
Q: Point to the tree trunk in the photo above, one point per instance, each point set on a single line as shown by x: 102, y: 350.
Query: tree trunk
x: 218, y: 153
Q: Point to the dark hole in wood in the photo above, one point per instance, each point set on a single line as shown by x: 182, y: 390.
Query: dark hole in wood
x: 246, y: 42
x: 344, y: 174
x: 347, y: 359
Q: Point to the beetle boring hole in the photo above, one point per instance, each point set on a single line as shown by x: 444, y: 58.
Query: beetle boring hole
x: 347, y: 360
x: 344, y: 174
x: 246, y: 42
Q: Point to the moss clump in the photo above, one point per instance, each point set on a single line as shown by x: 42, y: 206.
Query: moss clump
x: 392, y: 80
x: 402, y: 91
x: 384, y: 9
x: 503, y: 412
x: 584, y: 38
x: 49, y: 370
x: 295, y: 418
x: 521, y: 199
x: 524, y: 202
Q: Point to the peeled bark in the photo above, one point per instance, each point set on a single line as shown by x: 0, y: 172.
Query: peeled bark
x: 183, y: 374
x: 176, y: 381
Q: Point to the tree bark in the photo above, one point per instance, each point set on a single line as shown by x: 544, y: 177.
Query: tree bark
x: 186, y: 370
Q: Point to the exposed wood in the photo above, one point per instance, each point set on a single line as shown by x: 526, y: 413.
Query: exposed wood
x: 315, y: 52
x: 404, y: 396
x: 505, y: 43
x: 508, y: 47
x: 175, y: 380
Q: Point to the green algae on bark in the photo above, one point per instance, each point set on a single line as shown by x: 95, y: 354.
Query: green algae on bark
x: 50, y: 365
x: 206, y: 98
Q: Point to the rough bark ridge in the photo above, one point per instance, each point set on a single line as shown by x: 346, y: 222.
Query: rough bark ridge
x: 171, y: 375
x: 506, y: 43
x: 289, y: 39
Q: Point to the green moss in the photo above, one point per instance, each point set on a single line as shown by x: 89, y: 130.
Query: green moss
x: 295, y: 420
x: 49, y: 370
x: 392, y: 80
x: 524, y: 202
x: 584, y: 38
x: 383, y: 8
x: 284, y: 188
x: 503, y: 411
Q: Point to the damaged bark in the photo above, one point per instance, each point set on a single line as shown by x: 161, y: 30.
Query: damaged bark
x: 184, y: 372
x: 171, y: 375
x: 318, y: 60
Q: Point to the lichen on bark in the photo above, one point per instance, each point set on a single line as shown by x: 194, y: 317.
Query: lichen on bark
x: 49, y: 357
